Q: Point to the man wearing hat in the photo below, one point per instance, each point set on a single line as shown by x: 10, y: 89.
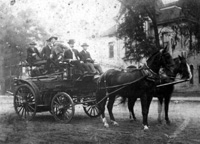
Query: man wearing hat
x: 86, y: 58
x: 47, y: 51
x: 33, y: 54
x: 73, y: 56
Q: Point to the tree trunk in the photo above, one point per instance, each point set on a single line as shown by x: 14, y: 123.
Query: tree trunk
x: 155, y: 27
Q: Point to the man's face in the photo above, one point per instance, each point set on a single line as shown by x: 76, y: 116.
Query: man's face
x: 48, y: 43
x: 71, y: 45
x: 32, y: 46
x: 85, y: 48
x: 53, y: 41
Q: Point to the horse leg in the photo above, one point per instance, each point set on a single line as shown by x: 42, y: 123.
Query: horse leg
x: 167, y: 100
x: 145, y: 102
x: 110, y: 107
x: 101, y: 107
x: 131, y: 103
x: 160, y: 102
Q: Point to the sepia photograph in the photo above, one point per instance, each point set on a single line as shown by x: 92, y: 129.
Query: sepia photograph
x: 99, y: 71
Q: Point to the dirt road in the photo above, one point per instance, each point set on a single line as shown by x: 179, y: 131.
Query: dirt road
x: 185, y: 127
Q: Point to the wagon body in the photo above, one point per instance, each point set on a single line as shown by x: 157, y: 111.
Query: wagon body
x: 56, y: 95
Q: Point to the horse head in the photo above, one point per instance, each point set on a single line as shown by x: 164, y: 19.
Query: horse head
x: 161, y: 58
x: 182, y: 68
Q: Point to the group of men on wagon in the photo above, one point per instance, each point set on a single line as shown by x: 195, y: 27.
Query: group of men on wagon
x: 58, y: 52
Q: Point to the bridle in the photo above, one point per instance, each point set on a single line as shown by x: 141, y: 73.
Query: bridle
x: 168, y: 67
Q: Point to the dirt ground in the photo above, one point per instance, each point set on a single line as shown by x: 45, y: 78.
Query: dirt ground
x: 185, y: 127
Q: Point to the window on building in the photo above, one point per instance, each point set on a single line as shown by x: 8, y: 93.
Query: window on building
x: 192, y: 71
x: 111, y: 49
x: 184, y: 53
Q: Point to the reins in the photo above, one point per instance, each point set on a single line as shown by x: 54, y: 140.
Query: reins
x: 122, y: 86
x: 170, y: 83
x: 125, y: 84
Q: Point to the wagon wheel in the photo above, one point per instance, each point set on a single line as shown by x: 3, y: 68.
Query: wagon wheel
x: 91, y: 109
x: 62, y: 107
x: 25, y: 102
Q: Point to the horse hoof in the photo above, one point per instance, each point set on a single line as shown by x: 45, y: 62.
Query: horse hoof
x: 115, y: 123
x: 159, y: 121
x: 106, y: 125
x: 146, y: 128
x: 132, y: 120
x: 168, y: 122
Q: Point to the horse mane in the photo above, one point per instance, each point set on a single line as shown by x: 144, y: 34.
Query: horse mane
x: 151, y: 57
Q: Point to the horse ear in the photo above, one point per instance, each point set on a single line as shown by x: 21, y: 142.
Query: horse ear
x: 180, y: 57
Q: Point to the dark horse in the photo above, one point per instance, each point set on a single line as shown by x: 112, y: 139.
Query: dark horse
x: 182, y: 68
x: 165, y: 92
x: 137, y: 84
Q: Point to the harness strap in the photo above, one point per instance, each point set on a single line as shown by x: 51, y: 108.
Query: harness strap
x: 170, y: 83
x: 123, y: 86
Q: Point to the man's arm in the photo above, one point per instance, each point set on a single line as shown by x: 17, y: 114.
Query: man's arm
x: 37, y: 52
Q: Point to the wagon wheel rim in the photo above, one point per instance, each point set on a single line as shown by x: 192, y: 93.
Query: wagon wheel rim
x: 25, y: 102
x: 62, y: 107
x: 91, y: 109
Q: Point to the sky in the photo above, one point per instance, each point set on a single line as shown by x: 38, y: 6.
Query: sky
x: 77, y: 19
x: 71, y: 18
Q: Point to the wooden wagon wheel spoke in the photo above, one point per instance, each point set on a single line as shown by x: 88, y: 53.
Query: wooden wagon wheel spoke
x: 62, y: 107
x: 91, y: 109
x: 58, y: 101
x: 20, y: 109
x: 25, y: 102
x: 23, y: 112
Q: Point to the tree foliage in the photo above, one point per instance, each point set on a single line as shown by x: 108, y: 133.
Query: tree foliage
x: 137, y: 41
x: 191, y: 10
x: 17, y: 30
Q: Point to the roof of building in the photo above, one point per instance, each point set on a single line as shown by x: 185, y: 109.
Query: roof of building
x: 169, y: 14
x: 110, y: 32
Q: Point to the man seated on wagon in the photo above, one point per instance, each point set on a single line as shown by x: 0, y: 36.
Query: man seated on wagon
x: 47, y: 51
x: 33, y: 54
x: 34, y: 59
x: 58, y: 51
x: 86, y: 58
x: 72, y: 55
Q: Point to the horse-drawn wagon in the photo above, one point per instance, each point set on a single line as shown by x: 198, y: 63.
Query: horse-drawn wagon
x: 56, y: 94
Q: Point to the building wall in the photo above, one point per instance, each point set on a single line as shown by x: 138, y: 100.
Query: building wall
x: 100, y: 51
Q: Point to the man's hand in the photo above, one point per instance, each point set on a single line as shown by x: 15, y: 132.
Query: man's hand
x: 60, y: 57
x: 81, y: 61
x: 51, y: 56
x: 33, y: 54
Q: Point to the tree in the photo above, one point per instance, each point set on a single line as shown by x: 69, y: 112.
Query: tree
x: 138, y: 43
x: 17, y: 30
x: 191, y: 10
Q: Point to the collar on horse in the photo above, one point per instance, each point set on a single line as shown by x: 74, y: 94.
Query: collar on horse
x: 146, y: 71
x: 149, y: 73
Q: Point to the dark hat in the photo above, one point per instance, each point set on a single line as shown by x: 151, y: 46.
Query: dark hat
x: 52, y: 37
x: 32, y: 43
x: 71, y: 41
x: 84, y: 44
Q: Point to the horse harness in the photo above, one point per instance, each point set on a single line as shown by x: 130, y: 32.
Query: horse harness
x: 146, y: 72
